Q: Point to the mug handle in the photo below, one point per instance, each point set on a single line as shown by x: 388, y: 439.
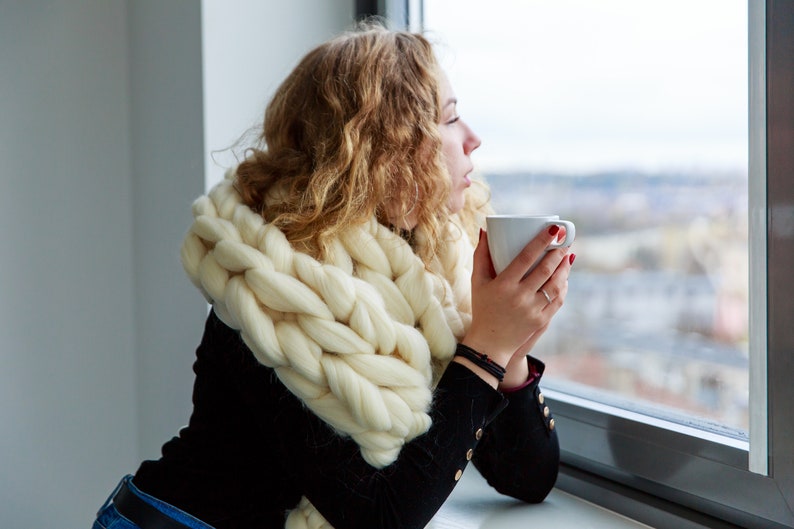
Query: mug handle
x: 570, y: 233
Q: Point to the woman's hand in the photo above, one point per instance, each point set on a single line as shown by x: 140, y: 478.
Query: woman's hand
x: 509, y: 310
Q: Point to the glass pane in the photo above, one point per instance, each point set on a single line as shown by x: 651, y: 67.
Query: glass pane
x: 629, y: 118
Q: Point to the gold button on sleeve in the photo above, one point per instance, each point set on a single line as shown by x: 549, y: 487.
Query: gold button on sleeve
x: 546, y: 411
x: 469, y: 454
x: 458, y: 474
x: 541, y: 398
x: 551, y: 424
x: 478, y: 434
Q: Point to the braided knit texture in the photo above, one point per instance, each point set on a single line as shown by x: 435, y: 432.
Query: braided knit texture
x: 361, y: 337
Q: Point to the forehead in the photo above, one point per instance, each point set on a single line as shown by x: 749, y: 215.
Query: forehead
x: 445, y: 89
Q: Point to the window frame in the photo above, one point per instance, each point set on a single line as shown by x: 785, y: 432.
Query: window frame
x: 703, y: 480
x: 666, y: 476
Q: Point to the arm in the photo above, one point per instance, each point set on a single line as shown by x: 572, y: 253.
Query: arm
x: 519, y: 453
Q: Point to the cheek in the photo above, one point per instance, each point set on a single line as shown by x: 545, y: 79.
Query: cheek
x: 448, y: 150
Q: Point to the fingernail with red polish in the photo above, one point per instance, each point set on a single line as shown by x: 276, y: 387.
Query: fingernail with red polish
x: 571, y: 258
x: 554, y: 229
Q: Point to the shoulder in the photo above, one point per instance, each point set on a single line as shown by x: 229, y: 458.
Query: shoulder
x: 222, y: 342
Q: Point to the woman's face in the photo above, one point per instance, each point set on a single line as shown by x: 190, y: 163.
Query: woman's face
x: 457, y: 143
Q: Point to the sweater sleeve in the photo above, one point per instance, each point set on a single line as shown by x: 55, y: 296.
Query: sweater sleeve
x: 519, y: 454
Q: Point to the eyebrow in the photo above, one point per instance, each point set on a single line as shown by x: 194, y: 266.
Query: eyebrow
x: 450, y: 101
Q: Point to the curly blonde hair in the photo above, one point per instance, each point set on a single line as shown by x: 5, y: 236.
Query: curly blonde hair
x: 352, y: 131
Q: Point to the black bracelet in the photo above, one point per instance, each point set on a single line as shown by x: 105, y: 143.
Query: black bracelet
x: 481, y: 360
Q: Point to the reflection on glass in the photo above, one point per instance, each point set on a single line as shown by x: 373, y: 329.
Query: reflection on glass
x: 629, y: 118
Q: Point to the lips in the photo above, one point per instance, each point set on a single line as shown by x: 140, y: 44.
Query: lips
x: 467, y: 178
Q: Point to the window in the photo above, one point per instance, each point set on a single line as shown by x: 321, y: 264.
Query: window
x: 673, y: 402
x: 631, y: 120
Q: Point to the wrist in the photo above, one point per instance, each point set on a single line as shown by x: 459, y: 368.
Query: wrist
x: 481, y: 360
x: 517, y: 372
x: 521, y: 372
x: 493, y: 352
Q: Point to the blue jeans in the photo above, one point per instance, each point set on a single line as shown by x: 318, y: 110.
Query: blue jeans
x: 109, y: 518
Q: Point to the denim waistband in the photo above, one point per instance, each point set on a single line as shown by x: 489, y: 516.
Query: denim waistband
x: 169, y: 510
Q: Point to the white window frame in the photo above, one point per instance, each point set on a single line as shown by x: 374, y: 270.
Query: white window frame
x: 668, y: 475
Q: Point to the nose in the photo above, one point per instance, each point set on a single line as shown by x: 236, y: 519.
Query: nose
x: 471, y: 141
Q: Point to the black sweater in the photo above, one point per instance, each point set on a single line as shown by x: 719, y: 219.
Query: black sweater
x: 252, y: 449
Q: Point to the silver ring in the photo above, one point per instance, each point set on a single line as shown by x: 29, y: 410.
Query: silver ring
x: 546, y: 295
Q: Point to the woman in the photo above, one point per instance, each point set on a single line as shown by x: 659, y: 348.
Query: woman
x: 359, y: 352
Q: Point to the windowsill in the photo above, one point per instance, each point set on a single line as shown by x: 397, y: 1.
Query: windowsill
x: 474, y: 504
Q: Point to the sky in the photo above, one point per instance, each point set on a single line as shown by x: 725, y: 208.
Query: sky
x: 582, y: 85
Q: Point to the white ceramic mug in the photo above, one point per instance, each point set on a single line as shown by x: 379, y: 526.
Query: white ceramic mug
x: 509, y: 234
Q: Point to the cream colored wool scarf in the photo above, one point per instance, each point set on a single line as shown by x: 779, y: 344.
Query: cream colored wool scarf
x: 361, y: 338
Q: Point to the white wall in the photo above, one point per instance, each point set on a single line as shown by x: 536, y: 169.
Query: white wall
x: 249, y: 47
x: 108, y: 112
x: 67, y: 386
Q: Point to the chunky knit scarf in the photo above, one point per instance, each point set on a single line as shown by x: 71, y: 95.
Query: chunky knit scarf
x: 360, y: 337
